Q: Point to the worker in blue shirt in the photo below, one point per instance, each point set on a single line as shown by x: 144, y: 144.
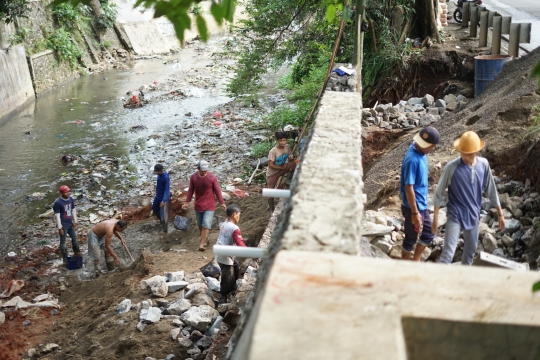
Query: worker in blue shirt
x: 414, y: 194
x: 160, y: 207
x: 466, y: 178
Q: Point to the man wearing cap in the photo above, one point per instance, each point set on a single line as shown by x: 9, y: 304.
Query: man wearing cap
x: 466, y: 178
x: 205, y: 186
x: 160, y: 207
x: 414, y: 194
x: 65, y: 214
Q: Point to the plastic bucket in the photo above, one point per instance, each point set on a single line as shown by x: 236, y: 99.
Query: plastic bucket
x: 486, y: 69
x: 74, y: 262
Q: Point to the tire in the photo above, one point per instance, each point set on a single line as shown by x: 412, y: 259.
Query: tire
x: 457, y: 16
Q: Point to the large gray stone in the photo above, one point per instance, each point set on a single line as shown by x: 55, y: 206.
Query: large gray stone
x: 450, y: 98
x: 483, y: 229
x: 428, y: 100
x: 179, y: 307
x: 385, y: 246
x: 415, y: 101
x: 150, y: 315
x: 432, y: 110
x: 371, y: 229
x: 175, y: 276
x: 440, y: 104
x: 489, y: 242
x: 427, y: 119
x: 176, y: 285
x: 508, y: 241
x: 200, y: 317
x: 202, y: 299
x: 174, y: 333
x: 375, y: 217
x: 185, y: 342
x: 213, y: 283
x: 204, y: 342
x: 512, y: 225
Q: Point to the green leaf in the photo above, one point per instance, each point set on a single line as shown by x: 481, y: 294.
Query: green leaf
x: 217, y: 13
x: 228, y: 9
x: 536, y: 286
x: 536, y: 70
x: 161, y: 9
x: 201, y: 26
x: 330, y: 13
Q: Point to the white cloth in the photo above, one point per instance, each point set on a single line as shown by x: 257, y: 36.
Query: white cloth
x: 226, y: 231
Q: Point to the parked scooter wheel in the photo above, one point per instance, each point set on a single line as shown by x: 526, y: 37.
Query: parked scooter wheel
x: 457, y: 16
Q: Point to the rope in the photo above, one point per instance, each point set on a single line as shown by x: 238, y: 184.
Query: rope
x: 328, y: 72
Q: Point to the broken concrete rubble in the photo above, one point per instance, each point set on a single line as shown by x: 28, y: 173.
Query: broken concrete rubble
x: 200, y: 317
x: 150, y: 315
x: 173, y: 286
x: 179, y: 307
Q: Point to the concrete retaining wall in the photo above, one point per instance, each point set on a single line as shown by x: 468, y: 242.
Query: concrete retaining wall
x: 47, y: 72
x: 325, y: 211
x: 15, y: 82
x: 147, y: 36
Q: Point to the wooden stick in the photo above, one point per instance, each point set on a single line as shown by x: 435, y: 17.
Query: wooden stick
x: 256, y: 168
x: 125, y: 247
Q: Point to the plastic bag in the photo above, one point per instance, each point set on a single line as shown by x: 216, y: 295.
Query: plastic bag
x: 211, y: 269
x: 181, y: 223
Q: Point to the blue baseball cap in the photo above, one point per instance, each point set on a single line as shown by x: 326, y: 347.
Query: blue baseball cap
x: 427, y: 136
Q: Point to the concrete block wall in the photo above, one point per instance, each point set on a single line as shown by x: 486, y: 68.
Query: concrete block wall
x: 15, y: 82
x: 325, y: 211
x: 47, y: 72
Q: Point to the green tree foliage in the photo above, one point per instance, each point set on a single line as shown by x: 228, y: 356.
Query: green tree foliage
x: 61, y: 42
x: 277, y: 32
x: 11, y: 9
x: 109, y: 12
x: 175, y: 10
x: 71, y: 16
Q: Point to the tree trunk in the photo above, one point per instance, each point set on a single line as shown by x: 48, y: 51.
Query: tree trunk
x: 95, y: 6
x: 426, y: 23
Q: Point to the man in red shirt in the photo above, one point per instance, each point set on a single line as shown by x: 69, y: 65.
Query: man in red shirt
x: 205, y: 185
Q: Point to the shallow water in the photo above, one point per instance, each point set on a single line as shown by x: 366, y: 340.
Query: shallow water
x: 33, y: 140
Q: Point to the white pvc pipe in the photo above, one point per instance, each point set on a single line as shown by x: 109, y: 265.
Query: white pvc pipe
x: 240, y: 251
x: 276, y: 193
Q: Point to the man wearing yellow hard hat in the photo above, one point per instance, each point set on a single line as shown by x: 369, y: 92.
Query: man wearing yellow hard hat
x: 466, y: 178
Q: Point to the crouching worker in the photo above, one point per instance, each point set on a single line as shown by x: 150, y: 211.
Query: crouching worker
x: 229, y: 234
x: 100, y: 236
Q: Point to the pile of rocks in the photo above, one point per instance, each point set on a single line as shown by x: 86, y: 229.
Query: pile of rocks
x: 343, y: 83
x: 412, y: 113
x: 190, y: 303
x: 521, y: 208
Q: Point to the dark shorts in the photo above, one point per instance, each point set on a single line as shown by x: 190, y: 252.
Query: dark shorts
x: 411, y: 234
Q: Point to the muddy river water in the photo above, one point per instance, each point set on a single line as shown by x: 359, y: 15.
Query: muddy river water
x: 33, y: 140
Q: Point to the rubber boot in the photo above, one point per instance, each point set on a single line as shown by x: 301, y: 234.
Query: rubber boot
x: 110, y: 263
x: 271, y: 204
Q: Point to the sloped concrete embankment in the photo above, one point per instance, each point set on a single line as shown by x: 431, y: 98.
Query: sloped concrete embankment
x: 15, y: 82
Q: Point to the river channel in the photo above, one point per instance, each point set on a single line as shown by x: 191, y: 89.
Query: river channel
x: 33, y: 140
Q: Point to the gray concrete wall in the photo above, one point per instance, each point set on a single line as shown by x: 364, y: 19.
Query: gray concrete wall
x: 47, y: 72
x: 325, y: 211
x: 15, y: 82
x: 147, y: 36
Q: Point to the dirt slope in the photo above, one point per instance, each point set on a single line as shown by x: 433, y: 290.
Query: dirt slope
x: 500, y: 115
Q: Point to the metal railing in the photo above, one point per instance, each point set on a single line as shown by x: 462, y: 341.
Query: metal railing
x: 519, y: 33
